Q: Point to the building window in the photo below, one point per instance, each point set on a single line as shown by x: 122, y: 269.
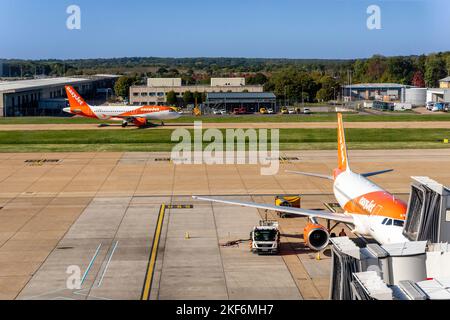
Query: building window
x: 160, y: 94
x: 152, y: 94
x: 135, y: 94
x: 143, y: 94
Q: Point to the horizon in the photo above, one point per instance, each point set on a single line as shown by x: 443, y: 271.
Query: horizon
x: 223, y: 57
x: 288, y: 29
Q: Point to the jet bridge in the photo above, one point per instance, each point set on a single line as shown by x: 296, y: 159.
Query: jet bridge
x: 366, y: 272
x: 428, y: 215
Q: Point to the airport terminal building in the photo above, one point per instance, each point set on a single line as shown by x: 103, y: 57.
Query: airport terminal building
x: 155, y: 92
x: 47, y: 97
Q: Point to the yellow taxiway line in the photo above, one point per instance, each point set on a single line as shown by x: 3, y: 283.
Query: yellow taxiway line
x: 153, y: 255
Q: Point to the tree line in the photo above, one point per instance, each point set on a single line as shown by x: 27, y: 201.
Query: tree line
x: 298, y: 79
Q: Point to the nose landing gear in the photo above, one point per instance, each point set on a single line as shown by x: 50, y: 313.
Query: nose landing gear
x: 124, y: 124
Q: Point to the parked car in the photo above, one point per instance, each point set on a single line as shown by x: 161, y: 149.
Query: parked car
x: 291, y: 111
x: 241, y: 110
x: 284, y: 110
x: 306, y: 111
x: 430, y: 105
x: 223, y: 112
x: 217, y: 112
x: 263, y: 111
x: 438, y: 107
x: 270, y: 111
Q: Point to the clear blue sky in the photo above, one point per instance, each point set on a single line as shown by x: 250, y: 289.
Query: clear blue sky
x: 34, y: 29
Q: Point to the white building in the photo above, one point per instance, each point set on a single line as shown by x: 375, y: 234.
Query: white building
x: 155, y: 92
x: 231, y: 82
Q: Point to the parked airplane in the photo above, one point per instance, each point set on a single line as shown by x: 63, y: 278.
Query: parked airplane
x: 369, y: 209
x: 139, y: 115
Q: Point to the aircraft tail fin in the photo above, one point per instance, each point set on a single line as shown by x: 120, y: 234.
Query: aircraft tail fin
x: 343, y: 164
x: 77, y: 103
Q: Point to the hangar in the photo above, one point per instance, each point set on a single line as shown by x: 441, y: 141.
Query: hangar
x: 375, y: 91
x: 251, y: 101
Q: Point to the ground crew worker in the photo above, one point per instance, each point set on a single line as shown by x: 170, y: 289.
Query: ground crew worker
x: 342, y: 233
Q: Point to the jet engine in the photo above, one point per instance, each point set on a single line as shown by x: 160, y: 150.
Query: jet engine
x: 140, y: 122
x: 316, y: 236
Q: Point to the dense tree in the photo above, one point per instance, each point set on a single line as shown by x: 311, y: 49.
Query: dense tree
x: 376, y: 67
x: 435, y: 70
x: 418, y: 80
x: 162, y: 71
x: 188, y: 97
x: 398, y: 70
x: 197, y: 96
x: 122, y: 86
x: 329, y: 89
x: 293, y: 84
x: 171, y: 98
x: 360, y: 71
x: 447, y: 59
x: 258, y: 78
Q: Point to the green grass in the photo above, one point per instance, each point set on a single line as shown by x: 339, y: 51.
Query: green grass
x: 160, y: 140
x: 317, y: 117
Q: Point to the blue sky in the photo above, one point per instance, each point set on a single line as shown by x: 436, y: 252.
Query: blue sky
x: 210, y: 28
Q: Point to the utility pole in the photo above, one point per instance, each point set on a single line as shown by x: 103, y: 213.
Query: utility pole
x: 303, y: 101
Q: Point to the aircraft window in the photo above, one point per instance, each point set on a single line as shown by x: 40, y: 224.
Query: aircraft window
x: 384, y: 220
x: 389, y: 222
x: 399, y: 223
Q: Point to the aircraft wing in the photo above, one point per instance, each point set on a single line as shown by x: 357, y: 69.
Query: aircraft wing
x: 297, y: 211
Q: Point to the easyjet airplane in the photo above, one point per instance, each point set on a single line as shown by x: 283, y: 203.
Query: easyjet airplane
x: 139, y: 115
x: 369, y: 209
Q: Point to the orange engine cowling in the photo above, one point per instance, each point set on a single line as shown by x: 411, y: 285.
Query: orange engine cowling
x: 316, y: 236
x: 140, y: 122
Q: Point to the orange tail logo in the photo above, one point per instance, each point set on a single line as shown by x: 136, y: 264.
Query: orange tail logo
x: 342, y: 148
x: 76, y: 102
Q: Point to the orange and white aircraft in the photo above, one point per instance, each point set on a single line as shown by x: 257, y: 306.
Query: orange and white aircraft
x: 369, y: 209
x: 139, y: 115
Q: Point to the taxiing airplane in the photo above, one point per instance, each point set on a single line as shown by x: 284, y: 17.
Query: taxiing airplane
x: 369, y: 209
x: 139, y: 115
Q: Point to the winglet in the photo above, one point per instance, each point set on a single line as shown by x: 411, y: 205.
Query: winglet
x: 342, y: 147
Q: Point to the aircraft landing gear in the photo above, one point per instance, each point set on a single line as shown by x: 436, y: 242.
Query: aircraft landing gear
x: 124, y: 124
x: 162, y: 123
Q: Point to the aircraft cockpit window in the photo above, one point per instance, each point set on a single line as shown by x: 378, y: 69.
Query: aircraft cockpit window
x: 399, y: 223
x: 384, y: 220
x: 389, y: 222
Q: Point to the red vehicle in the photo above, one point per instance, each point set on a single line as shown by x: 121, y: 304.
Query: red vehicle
x: 240, y: 110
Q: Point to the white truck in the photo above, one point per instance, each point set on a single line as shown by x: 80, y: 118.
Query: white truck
x: 265, y: 238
